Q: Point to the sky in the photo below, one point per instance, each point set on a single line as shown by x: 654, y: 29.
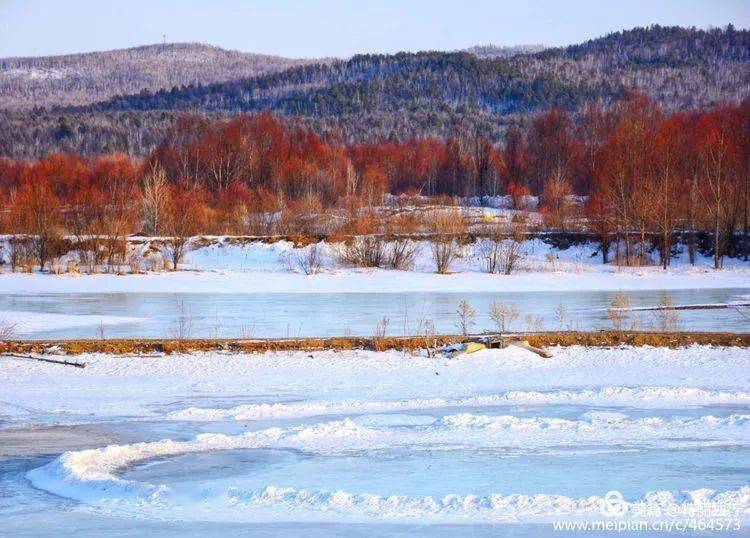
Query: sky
x: 341, y: 28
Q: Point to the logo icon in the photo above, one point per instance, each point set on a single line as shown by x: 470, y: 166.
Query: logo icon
x: 613, y: 504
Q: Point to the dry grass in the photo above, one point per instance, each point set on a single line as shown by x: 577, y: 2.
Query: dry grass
x: 637, y: 338
x: 411, y: 343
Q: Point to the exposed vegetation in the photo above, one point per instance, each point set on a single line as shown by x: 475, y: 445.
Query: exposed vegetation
x: 412, y: 343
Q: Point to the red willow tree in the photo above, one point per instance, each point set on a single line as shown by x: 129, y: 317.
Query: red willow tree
x: 682, y: 173
x: 35, y: 212
x: 648, y: 177
x: 185, y: 216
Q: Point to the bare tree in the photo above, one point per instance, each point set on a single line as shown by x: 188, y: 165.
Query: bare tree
x: 135, y: 260
x: 364, y: 251
x: 117, y: 218
x: 8, y: 330
x: 381, y: 329
x: 619, y: 313
x: 20, y: 253
x: 309, y: 260
x: 512, y: 250
x: 100, y: 332
x: 534, y: 323
x: 183, y: 326
x: 216, y: 326
x: 427, y: 330
x: 715, y: 149
x: 154, y: 199
x: 667, y: 316
x: 503, y: 315
x: 401, y: 255
x: 449, y: 228
x: 466, y: 315
x: 558, y: 208
x: 501, y: 251
x: 37, y: 210
x: 175, y: 248
x: 83, y: 220
x: 561, y: 315
x: 185, y: 218
x: 247, y: 331
x: 488, y: 249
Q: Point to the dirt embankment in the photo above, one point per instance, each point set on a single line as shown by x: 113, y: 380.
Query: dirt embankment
x: 545, y: 339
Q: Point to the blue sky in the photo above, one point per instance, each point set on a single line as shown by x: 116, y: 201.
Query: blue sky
x: 317, y: 28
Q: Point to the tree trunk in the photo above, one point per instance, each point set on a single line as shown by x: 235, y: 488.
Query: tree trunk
x: 746, y: 243
x: 627, y: 246
x: 716, y: 241
x: 691, y: 247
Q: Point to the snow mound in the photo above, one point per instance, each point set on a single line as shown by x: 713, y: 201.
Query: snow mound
x: 596, y: 423
x: 643, y: 397
x: 495, y: 506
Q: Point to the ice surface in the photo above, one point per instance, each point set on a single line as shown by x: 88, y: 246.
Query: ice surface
x: 33, y: 322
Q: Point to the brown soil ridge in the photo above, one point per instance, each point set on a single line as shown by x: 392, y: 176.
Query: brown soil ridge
x: 410, y: 343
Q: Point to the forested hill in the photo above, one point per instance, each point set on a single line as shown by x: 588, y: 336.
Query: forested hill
x: 485, y: 52
x: 77, y: 79
x: 414, y: 94
x: 681, y: 68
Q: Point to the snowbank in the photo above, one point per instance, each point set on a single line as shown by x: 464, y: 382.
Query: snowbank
x: 258, y: 267
x: 361, y: 381
x: 496, y: 507
x: 641, y: 397
x: 369, y: 281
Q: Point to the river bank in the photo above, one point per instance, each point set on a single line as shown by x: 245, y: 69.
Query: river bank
x: 136, y: 347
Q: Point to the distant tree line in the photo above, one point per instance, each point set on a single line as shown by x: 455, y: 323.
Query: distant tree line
x: 645, y: 176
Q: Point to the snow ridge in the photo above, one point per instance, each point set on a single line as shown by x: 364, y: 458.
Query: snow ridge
x: 495, y: 506
x: 642, y: 397
x: 92, y: 474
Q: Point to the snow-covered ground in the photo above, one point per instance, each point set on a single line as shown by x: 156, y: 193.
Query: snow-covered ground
x: 368, y: 439
x: 258, y: 267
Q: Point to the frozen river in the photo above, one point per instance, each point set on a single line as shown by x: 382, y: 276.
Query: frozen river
x: 371, y: 444
x: 231, y: 315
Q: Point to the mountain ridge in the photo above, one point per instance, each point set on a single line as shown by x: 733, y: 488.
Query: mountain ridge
x: 404, y: 95
x: 655, y: 59
x: 89, y: 77
x: 67, y: 79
